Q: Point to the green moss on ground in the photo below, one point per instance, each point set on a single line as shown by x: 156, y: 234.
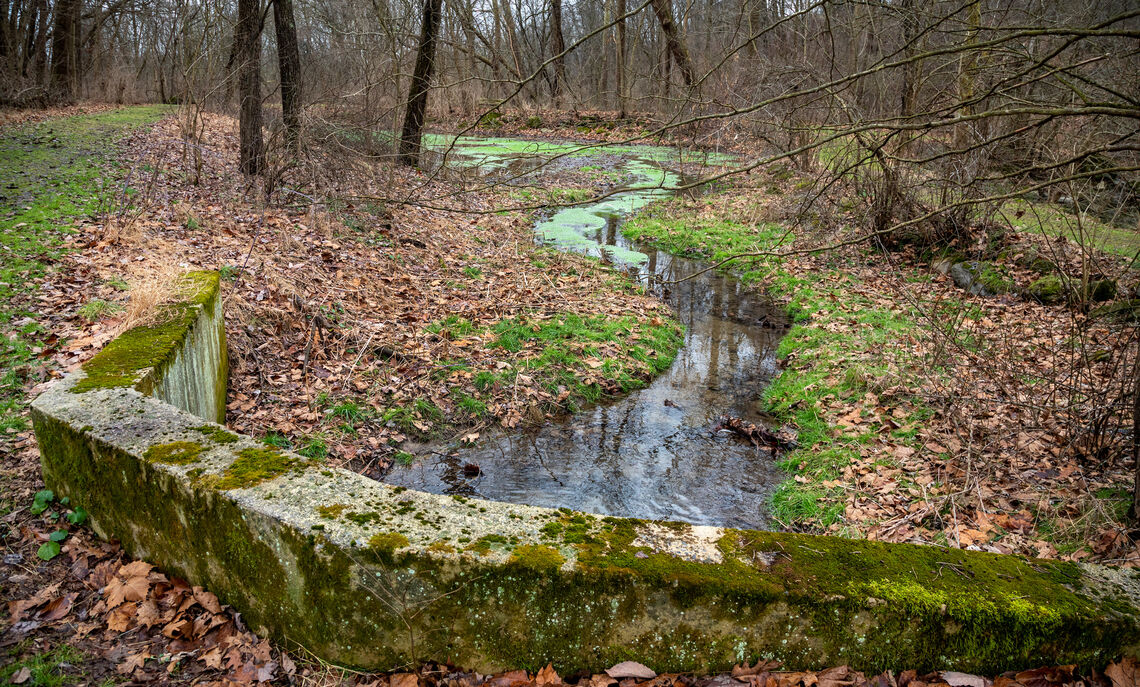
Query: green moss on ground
x: 1049, y: 290
x: 174, y: 453
x: 54, y: 172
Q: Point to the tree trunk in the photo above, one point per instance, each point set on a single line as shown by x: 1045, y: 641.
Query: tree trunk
x: 557, y: 47
x: 621, y: 48
x: 251, y: 156
x: 5, y: 38
x: 289, y: 61
x: 63, y: 47
x: 757, y: 21
x: 421, y: 82
x: 512, y: 36
x: 37, y: 49
x: 1136, y: 438
x: 664, y: 11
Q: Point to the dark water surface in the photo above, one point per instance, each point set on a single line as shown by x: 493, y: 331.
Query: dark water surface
x: 654, y: 453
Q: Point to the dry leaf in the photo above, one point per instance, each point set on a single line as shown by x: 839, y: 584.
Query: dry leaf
x: 547, y: 676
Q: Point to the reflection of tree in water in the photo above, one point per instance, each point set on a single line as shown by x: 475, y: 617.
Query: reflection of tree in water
x: 638, y: 456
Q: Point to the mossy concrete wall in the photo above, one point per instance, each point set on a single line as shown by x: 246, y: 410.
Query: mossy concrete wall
x: 180, y: 358
x: 375, y: 576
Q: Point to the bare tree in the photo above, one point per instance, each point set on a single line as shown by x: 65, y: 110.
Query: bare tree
x: 677, y: 49
x: 412, y: 131
x: 557, y: 47
x: 251, y: 157
x: 289, y: 61
x: 64, y: 47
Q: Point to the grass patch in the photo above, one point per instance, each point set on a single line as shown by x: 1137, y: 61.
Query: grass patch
x: 1051, y: 219
x: 54, y: 172
x: 60, y: 666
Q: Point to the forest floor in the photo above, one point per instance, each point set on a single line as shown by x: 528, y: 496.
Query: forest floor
x: 924, y: 414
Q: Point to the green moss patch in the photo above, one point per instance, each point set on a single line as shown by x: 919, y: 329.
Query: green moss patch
x: 332, y: 512
x: 385, y: 543
x: 537, y: 558
x: 124, y: 361
x: 1048, y: 290
x: 175, y: 453
x: 217, y: 434
x: 256, y: 465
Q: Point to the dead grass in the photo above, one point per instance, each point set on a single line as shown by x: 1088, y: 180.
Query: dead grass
x: 154, y: 286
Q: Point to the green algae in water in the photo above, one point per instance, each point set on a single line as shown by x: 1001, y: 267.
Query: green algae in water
x: 576, y: 228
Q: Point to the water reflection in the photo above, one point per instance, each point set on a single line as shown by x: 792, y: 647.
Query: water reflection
x: 652, y: 454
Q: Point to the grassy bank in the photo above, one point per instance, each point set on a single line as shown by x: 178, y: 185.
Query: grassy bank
x: 843, y: 352
x: 55, y: 172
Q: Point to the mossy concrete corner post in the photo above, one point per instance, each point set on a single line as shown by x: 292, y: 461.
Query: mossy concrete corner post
x: 370, y: 575
x: 181, y: 359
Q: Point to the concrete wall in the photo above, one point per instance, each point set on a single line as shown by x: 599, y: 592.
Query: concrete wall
x: 195, y: 378
x: 376, y: 576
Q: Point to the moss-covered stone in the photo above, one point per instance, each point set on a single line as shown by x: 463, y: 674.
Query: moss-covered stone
x: 1101, y: 290
x: 537, y: 558
x: 385, y: 543
x: 174, y: 453
x: 992, y: 279
x: 217, y: 434
x: 1049, y: 290
x: 333, y: 511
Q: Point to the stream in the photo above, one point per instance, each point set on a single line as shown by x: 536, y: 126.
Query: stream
x: 653, y: 453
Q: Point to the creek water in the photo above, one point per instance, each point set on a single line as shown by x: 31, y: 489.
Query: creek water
x: 653, y: 453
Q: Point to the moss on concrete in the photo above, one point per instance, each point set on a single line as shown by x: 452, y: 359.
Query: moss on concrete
x: 256, y: 465
x: 174, y: 453
x: 217, y: 434
x: 126, y: 361
x: 332, y: 512
x: 386, y: 543
x: 537, y: 558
